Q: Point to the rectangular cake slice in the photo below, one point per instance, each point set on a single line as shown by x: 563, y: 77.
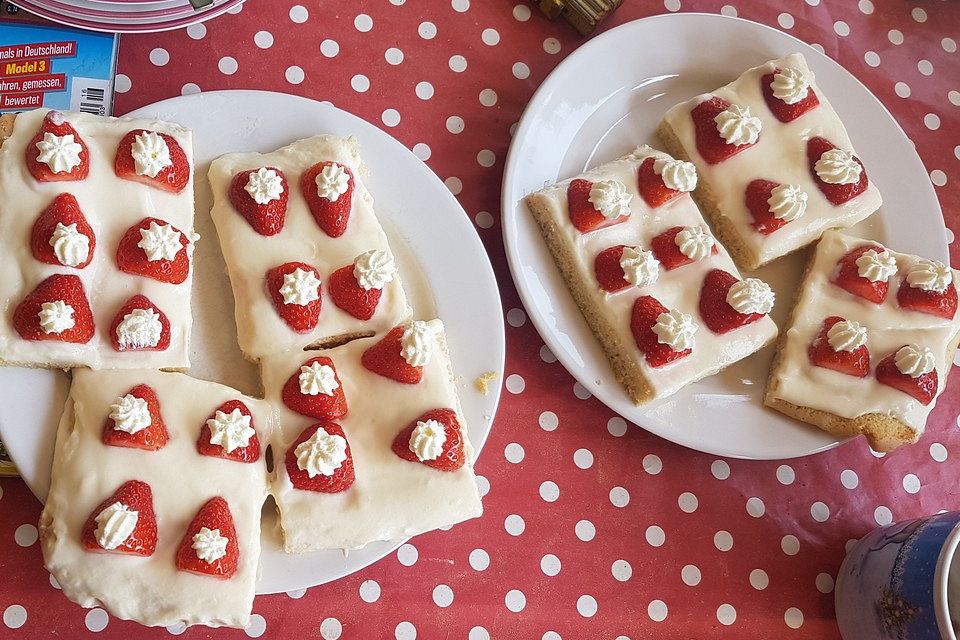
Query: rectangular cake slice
x: 372, y: 444
x: 155, y: 498
x: 776, y: 166
x: 307, y: 257
x: 96, y: 241
x: 660, y: 293
x: 870, y: 343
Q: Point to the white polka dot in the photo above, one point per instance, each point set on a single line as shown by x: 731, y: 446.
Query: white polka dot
x: 895, y: 36
x: 159, y: 57
x: 818, y: 47
x: 587, y: 606
x: 516, y: 317
x: 785, y: 474
x: 407, y: 554
x: 515, y: 383
x: 790, y: 545
x: 652, y: 464
x: 949, y: 45
x: 478, y: 633
x: 54, y: 582
x: 549, y: 491
x: 427, y: 30
x: 521, y: 12
x: 514, y: 524
x: 490, y: 37
x: 370, y: 589
x: 819, y: 511
x: 849, y: 479
x: 726, y: 614
x: 25, y: 535
x: 872, y: 58
x: 759, y: 579
x: 442, y: 595
x: 513, y: 452
x: 515, y: 600
x: 393, y: 56
x: 521, y: 71
x: 583, y: 458
x: 723, y: 541
x: 257, y: 626
x: 189, y: 89
x: 793, y: 617
x: 424, y: 90
x: 263, y: 39
x: 234, y: 10
x: 824, y: 582
x: 488, y: 97
x: 688, y: 502
x: 876, y: 454
x: 484, y: 220
x: 294, y: 74
x: 621, y: 570
x: 390, y: 117
x: 547, y: 356
x: 671, y: 5
x: 865, y: 6
x: 227, y: 65
x: 121, y: 83
x: 581, y: 391
x: 550, y: 565
x: 363, y: 22
x: 849, y: 544
x: 585, y: 530
x: 405, y: 631
x: 486, y: 158
x: 954, y: 97
x: 919, y: 14
x: 728, y: 10
x: 925, y: 67
x: 938, y: 452
x: 458, y: 63
x: 911, y: 483
x: 197, y: 31
x: 616, y: 426
x: 422, y: 151
x: 841, y: 28
x: 755, y: 507
x: 657, y: 610
x: 96, y: 620
x: 690, y: 574
x: 720, y: 469
x: 460, y: 5
x: 902, y: 89
x: 655, y: 536
x: 455, y: 124
x: 177, y: 629
x: 360, y: 83
x: 548, y: 421
x: 931, y: 121
x: 619, y: 497
x: 14, y: 616
x: 299, y: 13
x: 479, y: 559
x: 551, y: 45
x: 785, y: 20
x: 331, y: 629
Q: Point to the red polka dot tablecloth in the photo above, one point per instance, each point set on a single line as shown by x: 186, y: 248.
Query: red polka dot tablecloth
x: 592, y: 528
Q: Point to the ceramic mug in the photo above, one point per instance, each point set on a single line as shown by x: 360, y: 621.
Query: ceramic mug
x: 893, y: 584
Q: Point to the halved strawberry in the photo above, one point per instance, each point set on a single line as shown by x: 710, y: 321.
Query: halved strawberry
x: 308, y: 399
x: 584, y: 216
x: 710, y: 144
x: 923, y: 387
x: 266, y: 219
x: 133, y: 259
x: 646, y: 310
x: 343, y: 475
x: 63, y: 210
x: 332, y: 216
x: 664, y: 247
x: 151, y: 438
x: 848, y: 276
x: 133, y: 495
x: 210, y: 546
x: 757, y: 195
x: 173, y: 177
x: 716, y: 312
x: 302, y: 318
x: 607, y: 268
x: 232, y: 431
x: 943, y: 305
x: 54, y: 124
x: 135, y: 314
x: 347, y: 294
x: 451, y: 456
x: 786, y: 112
x: 385, y: 358
x: 837, y: 194
x: 852, y: 363
x: 57, y: 288
x: 651, y: 186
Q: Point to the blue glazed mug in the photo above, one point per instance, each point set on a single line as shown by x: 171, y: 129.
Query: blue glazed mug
x: 894, y: 583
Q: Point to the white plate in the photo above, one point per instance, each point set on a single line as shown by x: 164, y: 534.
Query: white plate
x: 606, y: 98
x: 429, y: 232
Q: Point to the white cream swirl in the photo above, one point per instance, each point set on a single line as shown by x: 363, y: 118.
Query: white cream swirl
x: 790, y: 85
x: 130, y: 414
x: 915, y: 361
x: 751, y: 295
x: 60, y: 153
x: 139, y: 329
x: 114, y: 525
x: 696, y: 243
x: 322, y: 454
x: 417, y: 343
x: 876, y: 266
x: 838, y: 166
x: 160, y: 242
x: 264, y: 185
x: 427, y: 440
x: 676, y: 329
x: 56, y: 317
x: 150, y: 152
x: 300, y: 287
x: 930, y: 275
x: 610, y: 198
x: 374, y: 269
x: 640, y: 268
x: 737, y: 126
x: 787, y: 202
x: 209, y: 545
x: 676, y: 174
x: 847, y: 335
x: 318, y: 378
x: 332, y: 182
x: 230, y: 430
x: 69, y: 245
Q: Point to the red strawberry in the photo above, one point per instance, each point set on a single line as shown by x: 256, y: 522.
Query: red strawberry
x: 342, y: 477
x: 213, y: 522
x: 451, y: 455
x: 584, y: 216
x: 664, y: 247
x: 63, y: 210
x: 646, y: 310
x: 132, y: 258
x: 837, y: 194
x: 758, y: 194
x: 943, y: 304
x: 54, y: 124
x: 923, y: 388
x: 248, y: 453
x: 716, y: 312
x: 56, y: 288
x: 711, y: 145
x: 266, y: 219
x: 385, y: 358
x: 139, y: 303
x: 142, y: 541
x: 150, y: 438
x: 331, y: 216
x: 607, y: 268
x: 848, y: 276
x: 783, y: 111
x: 852, y: 363
x: 173, y: 177
x: 318, y: 405
x: 347, y: 294
x: 302, y: 318
x: 651, y: 186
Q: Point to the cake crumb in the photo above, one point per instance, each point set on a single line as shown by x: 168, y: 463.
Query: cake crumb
x: 483, y: 382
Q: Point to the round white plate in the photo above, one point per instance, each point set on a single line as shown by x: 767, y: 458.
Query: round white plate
x: 429, y: 232
x: 608, y: 97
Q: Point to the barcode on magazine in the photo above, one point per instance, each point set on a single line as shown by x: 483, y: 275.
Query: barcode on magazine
x: 90, y: 95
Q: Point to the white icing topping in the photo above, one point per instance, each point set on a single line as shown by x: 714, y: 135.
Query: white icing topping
x: 787, y: 202
x: 322, y: 454
x: 209, y: 544
x: 160, y: 242
x: 838, y: 166
x: 264, y: 185
x: 301, y: 287
x: 847, y: 335
x: 61, y: 153
x: 139, y: 329
x: 876, y: 266
x: 790, y: 85
x: 69, y: 245
x: 318, y: 378
x: 332, y: 182
x: 230, y: 430
x: 115, y: 524
x: 640, y: 268
x: 56, y: 317
x: 676, y: 174
x: 751, y: 295
x: 676, y: 330
x: 915, y: 361
x: 150, y: 153
x: 610, y: 198
x: 427, y: 440
x: 695, y: 242
x: 130, y: 414
x: 738, y: 126
x: 417, y: 343
x: 374, y: 269
x: 930, y: 275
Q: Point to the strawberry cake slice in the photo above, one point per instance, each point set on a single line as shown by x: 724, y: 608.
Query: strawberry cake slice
x: 660, y: 293
x: 372, y: 443
x: 97, y: 246
x: 156, y: 491
x: 308, y: 261
x: 776, y: 166
x: 870, y: 343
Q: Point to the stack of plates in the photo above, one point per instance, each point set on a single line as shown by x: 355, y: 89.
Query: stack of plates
x: 128, y: 16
